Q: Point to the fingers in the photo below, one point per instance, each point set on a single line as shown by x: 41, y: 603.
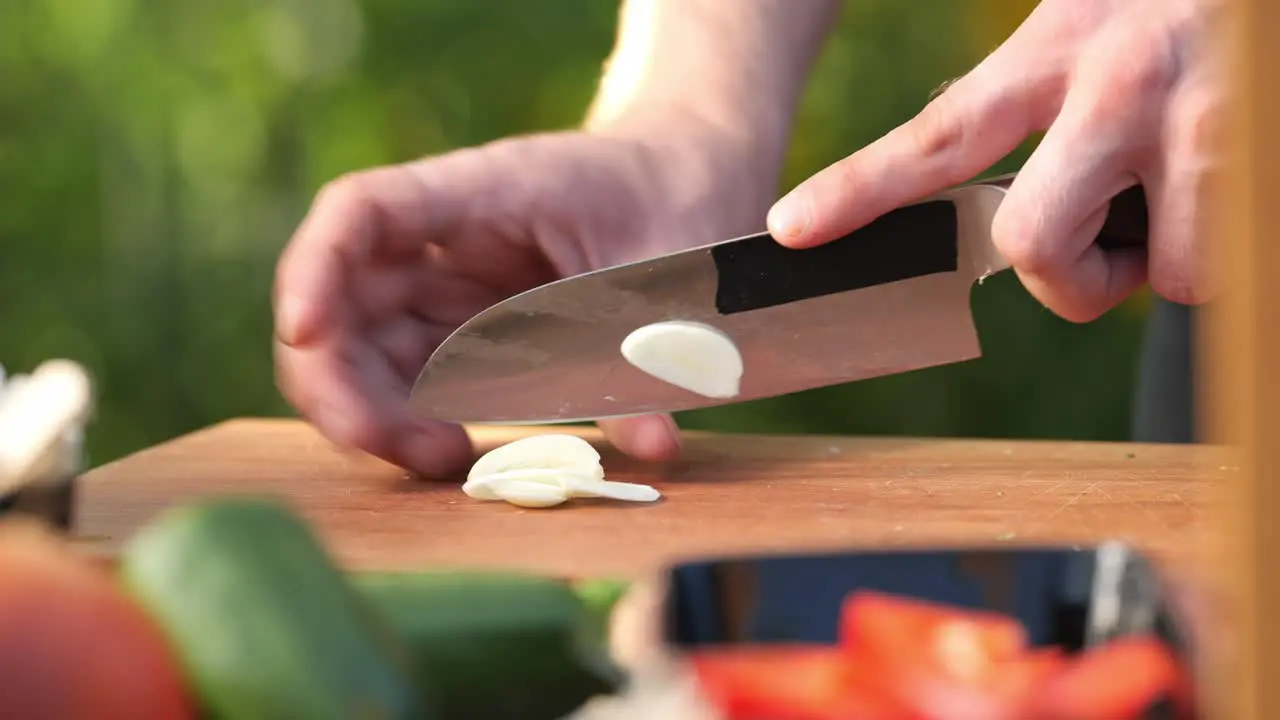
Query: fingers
x: 1181, y: 267
x: 1049, y: 219
x: 358, y: 256
x: 405, y: 341
x: 386, y: 214
x: 357, y: 400
x: 652, y: 438
x: 973, y: 124
x: 1101, y: 143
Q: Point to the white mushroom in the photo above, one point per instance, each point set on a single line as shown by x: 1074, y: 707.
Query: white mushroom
x: 547, y: 470
x: 690, y: 355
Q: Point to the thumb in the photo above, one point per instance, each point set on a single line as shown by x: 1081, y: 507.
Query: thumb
x: 978, y: 120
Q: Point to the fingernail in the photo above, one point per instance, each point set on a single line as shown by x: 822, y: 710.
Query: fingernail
x: 288, y: 318
x: 790, y: 217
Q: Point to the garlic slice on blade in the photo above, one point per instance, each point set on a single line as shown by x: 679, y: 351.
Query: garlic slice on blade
x: 535, y: 471
x: 690, y: 355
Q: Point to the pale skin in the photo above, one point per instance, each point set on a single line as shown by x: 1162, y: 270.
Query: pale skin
x: 684, y: 144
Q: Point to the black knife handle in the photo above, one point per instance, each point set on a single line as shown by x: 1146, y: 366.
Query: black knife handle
x: 1126, y: 226
x: 758, y: 272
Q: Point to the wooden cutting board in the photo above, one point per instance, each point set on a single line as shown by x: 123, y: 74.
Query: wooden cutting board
x: 730, y: 493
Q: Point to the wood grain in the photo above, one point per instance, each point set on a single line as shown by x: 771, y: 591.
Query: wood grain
x: 1242, y: 350
x: 730, y: 493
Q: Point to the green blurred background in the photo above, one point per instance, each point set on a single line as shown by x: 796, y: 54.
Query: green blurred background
x: 155, y: 156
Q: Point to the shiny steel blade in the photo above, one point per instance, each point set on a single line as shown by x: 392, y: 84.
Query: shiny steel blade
x: 897, y: 299
x: 888, y: 298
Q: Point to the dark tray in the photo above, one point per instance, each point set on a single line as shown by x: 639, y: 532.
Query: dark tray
x: 1073, y: 597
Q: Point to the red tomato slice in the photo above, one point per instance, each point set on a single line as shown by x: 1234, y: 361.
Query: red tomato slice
x: 792, y: 682
x: 1017, y: 681
x: 1001, y: 694
x: 959, y: 643
x: 1116, y: 681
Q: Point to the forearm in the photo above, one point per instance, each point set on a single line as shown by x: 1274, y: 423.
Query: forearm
x: 737, y: 66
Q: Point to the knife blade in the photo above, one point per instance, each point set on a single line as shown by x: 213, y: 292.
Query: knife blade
x: 888, y: 298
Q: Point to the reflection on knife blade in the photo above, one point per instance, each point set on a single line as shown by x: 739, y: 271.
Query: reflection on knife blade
x: 888, y: 298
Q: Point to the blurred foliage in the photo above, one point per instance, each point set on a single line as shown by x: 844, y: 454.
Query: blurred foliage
x: 156, y: 156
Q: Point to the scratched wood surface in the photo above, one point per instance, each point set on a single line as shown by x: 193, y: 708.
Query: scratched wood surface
x: 1242, y: 349
x: 730, y: 493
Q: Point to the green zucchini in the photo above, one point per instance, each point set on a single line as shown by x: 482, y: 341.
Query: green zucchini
x: 497, y: 646
x: 600, y: 596
x: 266, y: 625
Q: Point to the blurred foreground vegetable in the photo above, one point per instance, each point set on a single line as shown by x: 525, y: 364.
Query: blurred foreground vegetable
x: 266, y: 625
x: 497, y: 646
x: 72, y: 646
x: 904, y: 659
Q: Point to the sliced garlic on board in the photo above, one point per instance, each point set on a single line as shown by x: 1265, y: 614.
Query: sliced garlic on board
x: 535, y: 471
x: 529, y: 494
x: 568, y: 453
x: 631, y: 492
x: 690, y: 355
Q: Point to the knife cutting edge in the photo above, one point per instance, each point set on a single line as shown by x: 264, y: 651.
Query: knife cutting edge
x: 888, y: 298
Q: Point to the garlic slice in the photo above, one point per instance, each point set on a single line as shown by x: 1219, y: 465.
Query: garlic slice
x: 631, y: 492
x: 529, y: 494
x: 546, y: 470
x: 690, y: 355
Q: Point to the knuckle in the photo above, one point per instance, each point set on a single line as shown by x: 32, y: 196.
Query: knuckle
x: 846, y: 178
x: 343, y: 190
x: 1127, y: 81
x: 1153, y: 73
x: 941, y: 127
x: 1200, y: 122
x: 1019, y: 237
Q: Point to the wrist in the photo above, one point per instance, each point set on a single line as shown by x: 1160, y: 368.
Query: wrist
x: 699, y: 155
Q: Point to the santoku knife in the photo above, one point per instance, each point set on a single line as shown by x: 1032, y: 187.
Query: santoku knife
x: 888, y: 298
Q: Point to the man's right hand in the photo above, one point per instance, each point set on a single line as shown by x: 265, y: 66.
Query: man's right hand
x: 389, y: 261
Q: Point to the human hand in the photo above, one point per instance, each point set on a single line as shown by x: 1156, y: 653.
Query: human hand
x: 389, y: 261
x: 1130, y: 91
